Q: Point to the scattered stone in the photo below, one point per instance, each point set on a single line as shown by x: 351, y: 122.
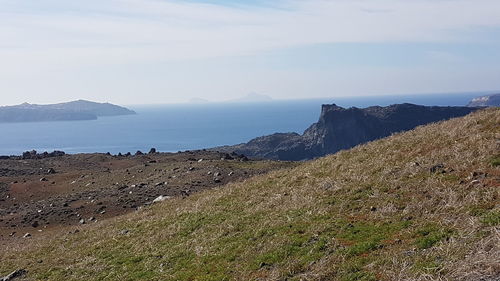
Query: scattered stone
x: 13, y: 275
x: 35, y: 224
x: 51, y: 171
x: 152, y: 151
x: 201, y: 160
x: 438, y: 169
x: 161, y: 198
x: 124, y: 232
x: 82, y: 221
x: 43, y: 179
x: 263, y: 264
x: 227, y: 157
x: 230, y: 173
x: 217, y: 180
x: 373, y: 209
x: 27, y: 235
x: 477, y: 175
x: 139, y: 153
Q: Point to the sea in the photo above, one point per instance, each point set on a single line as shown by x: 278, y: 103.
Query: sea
x: 180, y: 127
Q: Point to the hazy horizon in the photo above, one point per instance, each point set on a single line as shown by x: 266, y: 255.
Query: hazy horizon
x: 163, y: 52
x: 242, y: 99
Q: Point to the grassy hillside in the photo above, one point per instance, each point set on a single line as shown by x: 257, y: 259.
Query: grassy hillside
x: 422, y: 205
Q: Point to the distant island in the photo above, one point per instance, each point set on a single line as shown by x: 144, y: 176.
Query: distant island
x: 68, y: 111
x: 485, y: 101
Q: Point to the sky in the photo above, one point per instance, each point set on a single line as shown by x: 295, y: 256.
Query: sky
x: 168, y: 51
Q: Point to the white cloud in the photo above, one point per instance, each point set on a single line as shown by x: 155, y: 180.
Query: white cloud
x: 56, y: 37
x: 114, y: 31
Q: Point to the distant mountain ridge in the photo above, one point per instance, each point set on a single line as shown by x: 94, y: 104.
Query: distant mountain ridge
x: 68, y: 111
x: 340, y: 128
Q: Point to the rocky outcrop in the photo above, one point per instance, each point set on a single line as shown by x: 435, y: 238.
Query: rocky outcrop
x: 14, y: 275
x: 33, y: 154
x: 485, y: 101
x: 340, y: 128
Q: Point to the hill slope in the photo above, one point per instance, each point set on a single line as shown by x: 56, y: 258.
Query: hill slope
x: 343, y: 128
x: 421, y: 205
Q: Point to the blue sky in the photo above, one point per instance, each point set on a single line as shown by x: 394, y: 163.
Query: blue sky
x: 161, y: 51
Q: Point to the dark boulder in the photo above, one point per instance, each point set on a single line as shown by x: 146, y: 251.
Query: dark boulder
x: 29, y: 154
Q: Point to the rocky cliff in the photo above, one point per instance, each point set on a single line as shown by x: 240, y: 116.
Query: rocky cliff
x: 340, y: 128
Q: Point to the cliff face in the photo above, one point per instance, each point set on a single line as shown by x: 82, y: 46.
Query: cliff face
x: 340, y: 128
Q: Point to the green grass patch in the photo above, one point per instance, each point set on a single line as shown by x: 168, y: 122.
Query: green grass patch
x: 367, y: 237
x: 495, y: 161
x: 430, y: 235
x: 491, y: 218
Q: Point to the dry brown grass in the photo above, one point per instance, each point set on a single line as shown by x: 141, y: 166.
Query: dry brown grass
x: 375, y: 212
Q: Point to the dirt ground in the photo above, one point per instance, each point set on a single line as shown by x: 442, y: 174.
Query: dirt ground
x: 37, y: 195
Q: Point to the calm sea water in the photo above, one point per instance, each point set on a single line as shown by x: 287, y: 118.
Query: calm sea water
x: 187, y: 127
